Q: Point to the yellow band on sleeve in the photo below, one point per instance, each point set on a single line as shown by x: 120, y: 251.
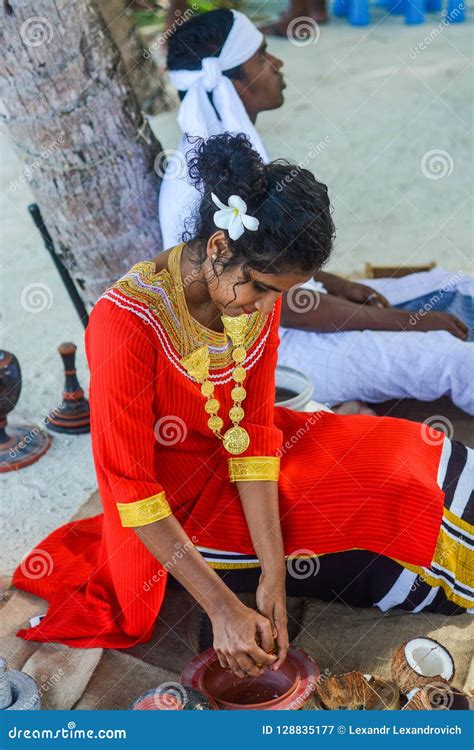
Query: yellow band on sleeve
x: 254, y: 468
x: 141, y: 512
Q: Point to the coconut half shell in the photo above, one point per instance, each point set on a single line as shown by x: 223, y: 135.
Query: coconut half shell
x: 354, y: 690
x: 421, y: 661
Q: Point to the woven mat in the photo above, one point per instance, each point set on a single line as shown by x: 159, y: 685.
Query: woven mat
x: 342, y: 638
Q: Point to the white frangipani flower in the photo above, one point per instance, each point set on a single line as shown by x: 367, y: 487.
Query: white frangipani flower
x: 233, y: 217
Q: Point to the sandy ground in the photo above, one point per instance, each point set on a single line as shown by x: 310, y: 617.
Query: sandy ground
x: 382, y: 121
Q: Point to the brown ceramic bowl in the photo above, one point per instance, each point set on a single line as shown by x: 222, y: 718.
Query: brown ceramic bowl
x: 286, y: 689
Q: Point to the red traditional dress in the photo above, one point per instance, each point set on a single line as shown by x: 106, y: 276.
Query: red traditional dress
x: 345, y: 482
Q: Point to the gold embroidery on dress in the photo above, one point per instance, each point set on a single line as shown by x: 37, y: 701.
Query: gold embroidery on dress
x: 254, y: 468
x: 142, y: 512
x: 157, y: 291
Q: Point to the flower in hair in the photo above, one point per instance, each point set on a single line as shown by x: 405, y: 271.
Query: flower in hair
x: 233, y: 217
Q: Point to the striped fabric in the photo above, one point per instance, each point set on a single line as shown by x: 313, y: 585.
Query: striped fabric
x: 391, y: 583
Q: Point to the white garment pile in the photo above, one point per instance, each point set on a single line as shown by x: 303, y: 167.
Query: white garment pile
x: 367, y: 365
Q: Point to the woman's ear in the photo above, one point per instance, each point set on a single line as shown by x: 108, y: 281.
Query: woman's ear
x: 217, y: 246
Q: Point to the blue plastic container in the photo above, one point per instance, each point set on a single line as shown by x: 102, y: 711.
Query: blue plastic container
x: 359, y: 13
x: 415, y: 11
x: 456, y: 11
x: 340, y: 8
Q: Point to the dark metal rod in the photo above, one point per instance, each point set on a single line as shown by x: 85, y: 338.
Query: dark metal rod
x: 76, y: 299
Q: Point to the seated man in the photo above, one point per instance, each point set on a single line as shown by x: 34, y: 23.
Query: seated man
x: 345, y: 336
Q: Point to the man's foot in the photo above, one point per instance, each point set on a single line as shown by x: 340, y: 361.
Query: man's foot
x: 316, y: 9
x: 353, y: 407
x: 276, y: 28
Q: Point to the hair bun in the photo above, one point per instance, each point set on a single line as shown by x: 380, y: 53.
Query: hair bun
x: 227, y: 164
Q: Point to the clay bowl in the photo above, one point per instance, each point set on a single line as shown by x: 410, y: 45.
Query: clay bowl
x: 289, y: 688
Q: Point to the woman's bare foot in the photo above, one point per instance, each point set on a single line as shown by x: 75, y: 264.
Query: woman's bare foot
x: 353, y: 407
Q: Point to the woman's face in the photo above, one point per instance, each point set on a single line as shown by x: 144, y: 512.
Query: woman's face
x: 259, y: 293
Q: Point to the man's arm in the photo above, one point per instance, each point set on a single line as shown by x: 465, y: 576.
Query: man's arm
x: 331, y: 314
x: 353, y: 291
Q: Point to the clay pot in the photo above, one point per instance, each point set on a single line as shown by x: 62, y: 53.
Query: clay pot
x: 289, y: 688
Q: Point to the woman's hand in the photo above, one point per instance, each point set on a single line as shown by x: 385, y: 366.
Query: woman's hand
x: 238, y: 630
x: 271, y: 602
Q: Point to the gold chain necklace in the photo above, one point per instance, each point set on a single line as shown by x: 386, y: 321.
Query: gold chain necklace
x: 197, y: 362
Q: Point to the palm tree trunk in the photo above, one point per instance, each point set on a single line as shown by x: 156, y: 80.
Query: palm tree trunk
x: 143, y: 73
x: 75, y: 121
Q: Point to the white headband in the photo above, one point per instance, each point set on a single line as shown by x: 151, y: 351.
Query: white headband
x: 196, y: 115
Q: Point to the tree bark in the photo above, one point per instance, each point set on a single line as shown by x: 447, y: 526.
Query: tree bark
x: 142, y: 71
x: 75, y: 120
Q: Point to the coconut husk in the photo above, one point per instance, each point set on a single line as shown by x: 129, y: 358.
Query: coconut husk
x: 407, y: 678
x: 419, y: 701
x: 382, y: 695
x: 354, y: 690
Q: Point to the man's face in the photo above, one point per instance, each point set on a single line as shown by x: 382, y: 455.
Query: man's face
x: 262, y: 83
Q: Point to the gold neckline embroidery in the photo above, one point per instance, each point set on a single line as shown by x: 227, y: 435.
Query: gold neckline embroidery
x: 157, y: 291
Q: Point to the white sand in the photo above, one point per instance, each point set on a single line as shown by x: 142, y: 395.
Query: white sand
x: 375, y: 113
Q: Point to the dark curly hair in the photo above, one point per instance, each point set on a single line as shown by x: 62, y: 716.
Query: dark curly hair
x: 295, y: 230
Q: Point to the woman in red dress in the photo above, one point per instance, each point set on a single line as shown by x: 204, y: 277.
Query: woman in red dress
x: 202, y: 477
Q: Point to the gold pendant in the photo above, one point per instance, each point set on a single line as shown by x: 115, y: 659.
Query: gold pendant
x: 196, y: 364
x: 235, y: 328
x: 239, y: 374
x: 239, y: 354
x: 236, y: 440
